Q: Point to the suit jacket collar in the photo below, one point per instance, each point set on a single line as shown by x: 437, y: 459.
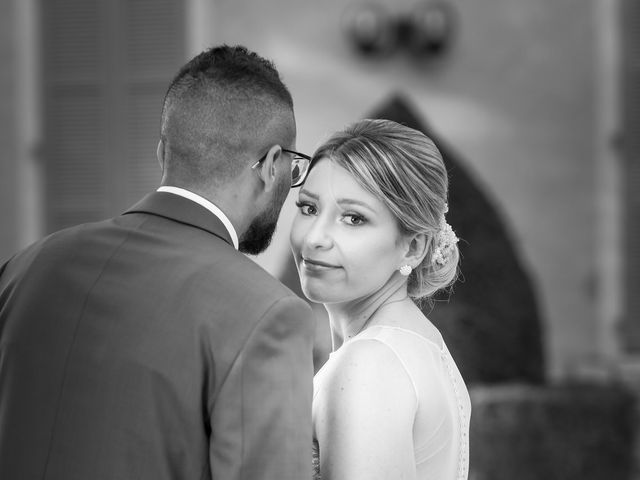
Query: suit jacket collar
x: 183, y: 210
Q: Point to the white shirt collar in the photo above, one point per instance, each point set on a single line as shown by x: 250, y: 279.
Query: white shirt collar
x: 206, y: 204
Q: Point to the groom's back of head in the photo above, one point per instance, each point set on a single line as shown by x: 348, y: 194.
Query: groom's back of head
x: 224, y: 107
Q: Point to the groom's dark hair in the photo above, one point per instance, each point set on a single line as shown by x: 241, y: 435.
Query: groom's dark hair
x: 235, y: 68
x: 214, y: 103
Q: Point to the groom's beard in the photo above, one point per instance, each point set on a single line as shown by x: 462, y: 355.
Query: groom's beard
x: 260, y: 232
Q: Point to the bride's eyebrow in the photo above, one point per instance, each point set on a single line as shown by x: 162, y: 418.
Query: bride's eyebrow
x: 309, y: 194
x: 343, y: 202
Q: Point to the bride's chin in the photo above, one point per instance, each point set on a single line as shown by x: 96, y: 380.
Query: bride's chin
x: 316, y: 295
x: 313, y: 297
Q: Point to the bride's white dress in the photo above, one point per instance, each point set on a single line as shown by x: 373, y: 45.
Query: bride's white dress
x: 441, y: 427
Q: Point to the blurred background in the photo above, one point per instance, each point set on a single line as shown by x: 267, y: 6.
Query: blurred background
x: 535, y: 105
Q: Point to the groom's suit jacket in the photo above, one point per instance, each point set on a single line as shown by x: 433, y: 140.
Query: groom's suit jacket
x: 147, y: 347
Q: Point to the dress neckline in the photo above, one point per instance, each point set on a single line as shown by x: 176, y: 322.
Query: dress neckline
x: 442, y: 348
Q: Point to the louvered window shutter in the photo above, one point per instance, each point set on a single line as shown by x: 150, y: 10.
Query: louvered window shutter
x: 106, y: 65
x: 630, y: 23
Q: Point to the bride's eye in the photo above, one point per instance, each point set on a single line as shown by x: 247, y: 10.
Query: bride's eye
x: 354, y: 219
x: 306, y: 208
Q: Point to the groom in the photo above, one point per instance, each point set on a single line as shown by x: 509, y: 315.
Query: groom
x: 147, y: 346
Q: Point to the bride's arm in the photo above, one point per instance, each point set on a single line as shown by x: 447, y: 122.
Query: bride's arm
x: 365, y: 415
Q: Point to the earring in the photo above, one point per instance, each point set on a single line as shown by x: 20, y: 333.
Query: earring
x: 405, y: 270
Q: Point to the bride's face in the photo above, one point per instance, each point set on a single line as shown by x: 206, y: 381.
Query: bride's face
x: 345, y: 241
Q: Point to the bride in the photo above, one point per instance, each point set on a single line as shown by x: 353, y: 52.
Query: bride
x: 370, y: 239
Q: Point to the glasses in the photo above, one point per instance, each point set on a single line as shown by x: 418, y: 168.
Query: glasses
x: 299, y: 166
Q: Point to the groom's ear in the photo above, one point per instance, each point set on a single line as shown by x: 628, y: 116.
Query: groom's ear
x: 267, y: 170
x: 160, y: 154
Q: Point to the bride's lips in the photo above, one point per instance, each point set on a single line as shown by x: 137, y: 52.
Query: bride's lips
x: 317, y: 265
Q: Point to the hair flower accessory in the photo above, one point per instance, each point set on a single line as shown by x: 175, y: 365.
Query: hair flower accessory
x: 445, y: 241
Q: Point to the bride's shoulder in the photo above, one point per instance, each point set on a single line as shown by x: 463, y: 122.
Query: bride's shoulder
x: 364, y: 352
x: 366, y: 366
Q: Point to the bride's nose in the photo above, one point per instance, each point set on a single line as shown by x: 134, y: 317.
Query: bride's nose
x: 318, y: 236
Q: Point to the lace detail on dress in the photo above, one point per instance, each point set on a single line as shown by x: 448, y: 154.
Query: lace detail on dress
x: 463, y: 459
x: 315, y: 461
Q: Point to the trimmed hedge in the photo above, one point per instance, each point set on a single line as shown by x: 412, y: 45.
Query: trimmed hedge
x: 562, y: 432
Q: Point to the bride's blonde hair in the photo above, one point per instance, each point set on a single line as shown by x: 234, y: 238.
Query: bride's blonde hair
x: 404, y: 169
